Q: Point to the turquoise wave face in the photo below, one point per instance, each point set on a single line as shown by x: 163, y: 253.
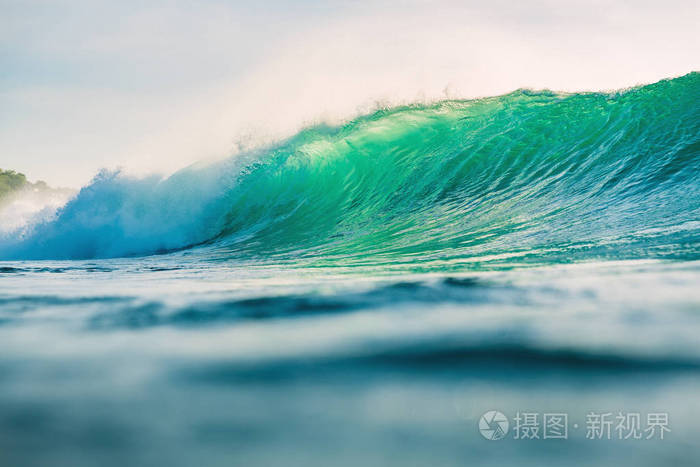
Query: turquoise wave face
x: 528, y: 177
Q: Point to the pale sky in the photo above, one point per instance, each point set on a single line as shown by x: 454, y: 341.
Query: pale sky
x: 152, y: 86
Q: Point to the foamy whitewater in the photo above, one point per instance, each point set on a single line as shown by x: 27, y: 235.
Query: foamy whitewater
x: 362, y: 294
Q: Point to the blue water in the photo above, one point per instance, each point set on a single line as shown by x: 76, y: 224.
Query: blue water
x: 362, y: 295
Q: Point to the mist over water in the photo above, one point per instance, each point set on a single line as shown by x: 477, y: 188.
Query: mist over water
x: 28, y: 207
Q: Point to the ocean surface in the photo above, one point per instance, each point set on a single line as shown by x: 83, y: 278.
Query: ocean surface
x: 364, y: 294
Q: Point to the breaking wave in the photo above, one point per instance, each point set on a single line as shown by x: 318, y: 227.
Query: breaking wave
x: 529, y: 176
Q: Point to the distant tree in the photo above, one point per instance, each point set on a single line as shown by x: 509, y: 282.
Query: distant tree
x: 11, y: 181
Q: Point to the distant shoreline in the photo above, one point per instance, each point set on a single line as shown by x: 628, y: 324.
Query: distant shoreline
x: 12, y: 183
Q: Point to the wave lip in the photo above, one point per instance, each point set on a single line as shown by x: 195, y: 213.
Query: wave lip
x: 541, y: 176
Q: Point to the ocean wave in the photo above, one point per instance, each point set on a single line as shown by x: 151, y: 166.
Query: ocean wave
x: 540, y: 175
